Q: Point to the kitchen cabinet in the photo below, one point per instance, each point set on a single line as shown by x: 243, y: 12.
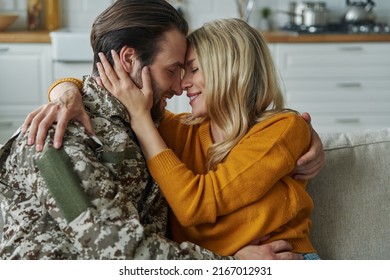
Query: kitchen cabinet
x: 344, y: 86
x: 25, y: 76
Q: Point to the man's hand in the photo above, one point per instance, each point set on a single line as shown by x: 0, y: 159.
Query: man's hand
x: 276, y: 250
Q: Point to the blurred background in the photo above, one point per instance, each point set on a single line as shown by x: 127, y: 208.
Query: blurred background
x: 81, y: 13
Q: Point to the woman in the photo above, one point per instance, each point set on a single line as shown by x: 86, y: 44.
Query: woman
x: 228, y: 170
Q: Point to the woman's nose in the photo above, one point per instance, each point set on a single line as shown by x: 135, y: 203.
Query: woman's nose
x: 185, y: 82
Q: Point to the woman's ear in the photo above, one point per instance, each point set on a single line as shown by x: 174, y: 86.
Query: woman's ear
x: 127, y: 57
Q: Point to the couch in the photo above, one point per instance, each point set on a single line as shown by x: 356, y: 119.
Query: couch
x: 351, y: 219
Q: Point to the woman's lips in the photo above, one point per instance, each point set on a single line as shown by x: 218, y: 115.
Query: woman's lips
x: 192, y: 97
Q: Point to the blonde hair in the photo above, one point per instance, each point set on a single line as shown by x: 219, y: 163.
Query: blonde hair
x: 240, y: 78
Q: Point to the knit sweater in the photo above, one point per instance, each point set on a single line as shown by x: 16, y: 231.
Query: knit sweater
x: 249, y: 195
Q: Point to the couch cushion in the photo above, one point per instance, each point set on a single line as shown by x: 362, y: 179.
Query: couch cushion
x: 351, y: 219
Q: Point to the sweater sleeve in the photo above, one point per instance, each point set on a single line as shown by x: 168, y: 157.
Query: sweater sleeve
x: 77, y: 82
x: 171, y: 128
x: 266, y: 154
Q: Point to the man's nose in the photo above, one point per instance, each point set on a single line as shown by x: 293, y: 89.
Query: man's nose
x: 177, y: 89
x: 184, y: 83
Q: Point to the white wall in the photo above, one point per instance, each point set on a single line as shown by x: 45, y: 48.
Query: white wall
x: 79, y: 14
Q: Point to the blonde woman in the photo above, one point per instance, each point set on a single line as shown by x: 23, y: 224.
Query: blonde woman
x: 226, y: 168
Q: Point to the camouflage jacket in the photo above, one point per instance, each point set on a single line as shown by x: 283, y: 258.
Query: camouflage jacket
x: 92, y: 199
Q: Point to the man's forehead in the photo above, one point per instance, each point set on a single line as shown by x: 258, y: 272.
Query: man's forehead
x: 172, y: 49
x: 170, y: 59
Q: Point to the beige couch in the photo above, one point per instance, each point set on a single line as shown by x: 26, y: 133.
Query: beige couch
x: 351, y: 219
x: 351, y: 195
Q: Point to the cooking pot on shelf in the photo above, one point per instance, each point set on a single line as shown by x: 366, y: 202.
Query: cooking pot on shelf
x: 360, y: 12
x: 316, y: 15
x: 308, y: 13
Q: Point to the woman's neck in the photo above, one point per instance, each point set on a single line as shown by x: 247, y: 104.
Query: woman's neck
x: 216, y: 133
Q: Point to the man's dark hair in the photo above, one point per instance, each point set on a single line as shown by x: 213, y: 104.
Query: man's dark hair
x: 139, y: 24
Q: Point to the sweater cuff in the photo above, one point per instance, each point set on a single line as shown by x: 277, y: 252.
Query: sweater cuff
x: 77, y: 82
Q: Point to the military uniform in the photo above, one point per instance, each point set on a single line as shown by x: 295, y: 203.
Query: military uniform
x: 92, y: 199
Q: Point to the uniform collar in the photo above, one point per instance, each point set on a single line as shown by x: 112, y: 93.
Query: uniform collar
x: 99, y: 101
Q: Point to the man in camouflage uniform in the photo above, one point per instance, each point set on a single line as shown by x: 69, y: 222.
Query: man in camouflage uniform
x: 94, y: 198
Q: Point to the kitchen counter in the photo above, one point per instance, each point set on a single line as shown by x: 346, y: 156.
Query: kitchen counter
x: 25, y: 37
x: 291, y: 37
x: 270, y: 36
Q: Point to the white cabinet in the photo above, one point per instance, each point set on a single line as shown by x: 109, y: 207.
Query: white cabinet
x: 71, y: 69
x: 344, y: 87
x: 25, y: 76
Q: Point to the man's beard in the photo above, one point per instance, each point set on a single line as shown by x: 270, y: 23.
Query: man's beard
x: 156, y: 112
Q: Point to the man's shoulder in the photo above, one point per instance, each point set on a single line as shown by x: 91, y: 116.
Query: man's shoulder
x: 17, y: 151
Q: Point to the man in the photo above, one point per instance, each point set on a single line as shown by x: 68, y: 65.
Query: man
x: 94, y: 198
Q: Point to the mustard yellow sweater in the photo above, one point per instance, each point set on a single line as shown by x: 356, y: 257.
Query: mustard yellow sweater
x: 249, y: 195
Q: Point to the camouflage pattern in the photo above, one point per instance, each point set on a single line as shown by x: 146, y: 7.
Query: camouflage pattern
x: 127, y: 218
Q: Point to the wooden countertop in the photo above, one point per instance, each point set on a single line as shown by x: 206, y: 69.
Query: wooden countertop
x: 25, y: 37
x: 270, y: 36
x: 290, y: 37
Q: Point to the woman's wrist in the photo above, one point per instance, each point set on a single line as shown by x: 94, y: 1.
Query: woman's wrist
x: 141, y: 124
x: 148, y: 135
x: 62, y: 85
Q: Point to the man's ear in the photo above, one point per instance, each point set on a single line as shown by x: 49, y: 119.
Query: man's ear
x: 127, y: 57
